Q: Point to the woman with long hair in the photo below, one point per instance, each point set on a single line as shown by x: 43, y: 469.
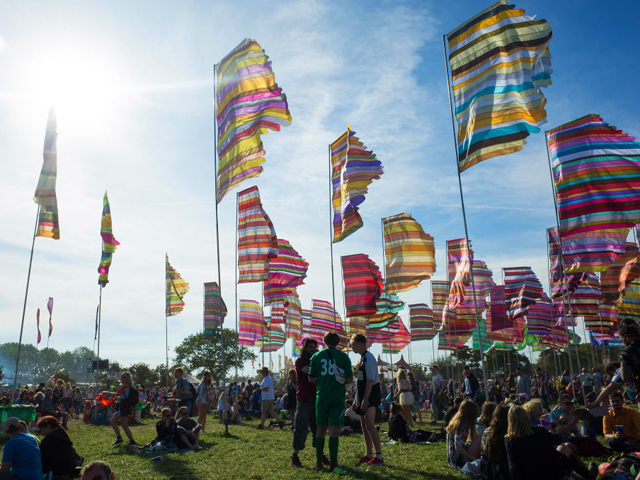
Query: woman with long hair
x: 292, y: 386
x: 124, y: 408
x: 485, y: 417
x: 203, y: 398
x: 405, y: 396
x: 492, y: 450
x: 534, y: 453
x: 56, y: 448
x: 463, y: 441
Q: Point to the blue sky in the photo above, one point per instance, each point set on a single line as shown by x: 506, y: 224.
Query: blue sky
x: 132, y: 87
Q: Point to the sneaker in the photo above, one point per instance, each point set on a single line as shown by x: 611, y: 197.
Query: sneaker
x: 260, y: 427
x: 118, y: 441
x: 325, y: 460
x: 319, y: 465
x: 281, y: 424
x: 204, y: 432
x: 364, y: 459
x: 376, y: 462
x: 295, y: 461
x: 336, y: 469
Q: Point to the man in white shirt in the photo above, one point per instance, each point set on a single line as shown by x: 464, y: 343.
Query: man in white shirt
x: 437, y: 383
x: 266, y: 389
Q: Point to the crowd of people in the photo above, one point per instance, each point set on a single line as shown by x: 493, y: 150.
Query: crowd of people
x: 516, y: 427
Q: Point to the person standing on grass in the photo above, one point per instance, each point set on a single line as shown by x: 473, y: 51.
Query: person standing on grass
x: 124, y: 408
x: 203, y: 398
x: 267, y: 391
x: 306, y: 401
x: 437, y: 393
x: 368, y: 399
x: 182, y: 391
x: 330, y: 370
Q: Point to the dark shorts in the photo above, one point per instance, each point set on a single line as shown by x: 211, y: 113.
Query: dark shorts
x: 374, y: 397
x: 124, y: 410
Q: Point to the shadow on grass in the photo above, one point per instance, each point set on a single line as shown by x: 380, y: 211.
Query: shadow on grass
x: 175, y: 465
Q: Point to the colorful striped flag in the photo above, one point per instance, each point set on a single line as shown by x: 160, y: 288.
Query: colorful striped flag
x: 248, y: 104
x: 605, y: 322
x: 176, y: 289
x: 583, y: 301
x: 213, y: 303
x: 561, y: 282
x: 409, y: 253
x: 388, y: 307
x: 499, y: 60
x: 630, y: 305
x: 522, y: 288
x: 109, y: 242
x: 274, y: 340
x: 362, y: 285
x: 45, y: 195
x: 257, y: 240
x: 615, y: 279
x: 50, y: 309
x: 596, y: 172
x: 287, y: 270
x: 38, y: 327
x: 439, y: 299
x: 421, y: 322
x: 322, y: 321
x: 357, y: 325
x: 353, y: 168
x: 399, y: 340
x: 459, y: 257
x: 497, y: 311
x: 540, y: 319
x: 251, y: 325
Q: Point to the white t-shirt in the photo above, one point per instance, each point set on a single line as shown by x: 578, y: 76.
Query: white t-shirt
x: 437, y: 382
x: 267, y: 394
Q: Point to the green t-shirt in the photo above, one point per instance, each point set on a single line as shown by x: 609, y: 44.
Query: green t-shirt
x: 322, y: 368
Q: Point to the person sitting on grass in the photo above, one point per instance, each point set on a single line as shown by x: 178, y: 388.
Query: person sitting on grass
x: 169, y: 436
x: 50, y: 407
x: 622, y: 426
x: 485, y: 416
x: 460, y: 430
x: 535, y: 410
x: 399, y: 429
x: 191, y: 427
x: 97, y: 470
x: 56, y: 448
x: 21, y: 454
x: 492, y: 448
x: 452, y: 411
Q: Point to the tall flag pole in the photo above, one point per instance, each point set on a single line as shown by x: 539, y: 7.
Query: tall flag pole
x: 176, y: 289
x: 331, y: 234
x: 47, y: 213
x: 109, y: 246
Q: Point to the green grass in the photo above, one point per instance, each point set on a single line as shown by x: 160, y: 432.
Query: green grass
x: 247, y: 453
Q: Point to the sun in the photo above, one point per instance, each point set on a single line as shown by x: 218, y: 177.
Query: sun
x: 85, y: 87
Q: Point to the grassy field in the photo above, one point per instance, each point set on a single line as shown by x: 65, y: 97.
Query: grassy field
x: 247, y: 453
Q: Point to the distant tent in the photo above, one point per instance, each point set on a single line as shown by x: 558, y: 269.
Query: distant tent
x: 401, y: 363
x: 382, y: 363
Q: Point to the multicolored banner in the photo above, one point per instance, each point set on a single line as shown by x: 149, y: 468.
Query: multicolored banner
x: 398, y: 341
x: 249, y: 103
x: 362, y: 285
x: 251, y: 325
x: 257, y: 240
x: 421, y: 322
x: 45, y: 195
x: 583, y: 301
x: 596, y: 171
x: 213, y: 306
x: 499, y: 60
x: 630, y: 305
x: 522, y: 288
x: 540, y: 318
x: 176, y: 289
x: 322, y: 321
x: 109, y: 242
x: 459, y: 258
x: 409, y: 253
x: 353, y: 168
x: 50, y: 309
x: 615, y: 279
x: 38, y: 327
x: 287, y: 270
x: 561, y: 282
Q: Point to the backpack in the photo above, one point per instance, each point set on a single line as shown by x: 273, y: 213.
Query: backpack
x: 473, y: 381
x: 193, y: 391
x: 132, y: 399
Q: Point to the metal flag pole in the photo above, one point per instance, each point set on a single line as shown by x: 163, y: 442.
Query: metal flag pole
x: 166, y: 325
x: 333, y: 281
x: 386, y: 308
x: 215, y: 170
x: 236, y: 286
x: 565, y: 298
x: 464, y: 215
x: 344, y: 300
x: 264, y: 324
x: 99, y: 334
x: 26, y: 295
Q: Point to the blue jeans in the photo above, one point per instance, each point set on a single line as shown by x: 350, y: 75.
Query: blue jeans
x: 305, y: 419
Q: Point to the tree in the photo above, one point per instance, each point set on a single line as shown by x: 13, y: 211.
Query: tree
x: 143, y: 374
x: 200, y: 352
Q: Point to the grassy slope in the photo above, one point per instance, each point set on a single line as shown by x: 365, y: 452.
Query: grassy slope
x: 248, y: 453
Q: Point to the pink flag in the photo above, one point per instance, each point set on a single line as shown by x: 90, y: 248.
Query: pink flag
x: 38, y: 320
x: 50, y: 308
